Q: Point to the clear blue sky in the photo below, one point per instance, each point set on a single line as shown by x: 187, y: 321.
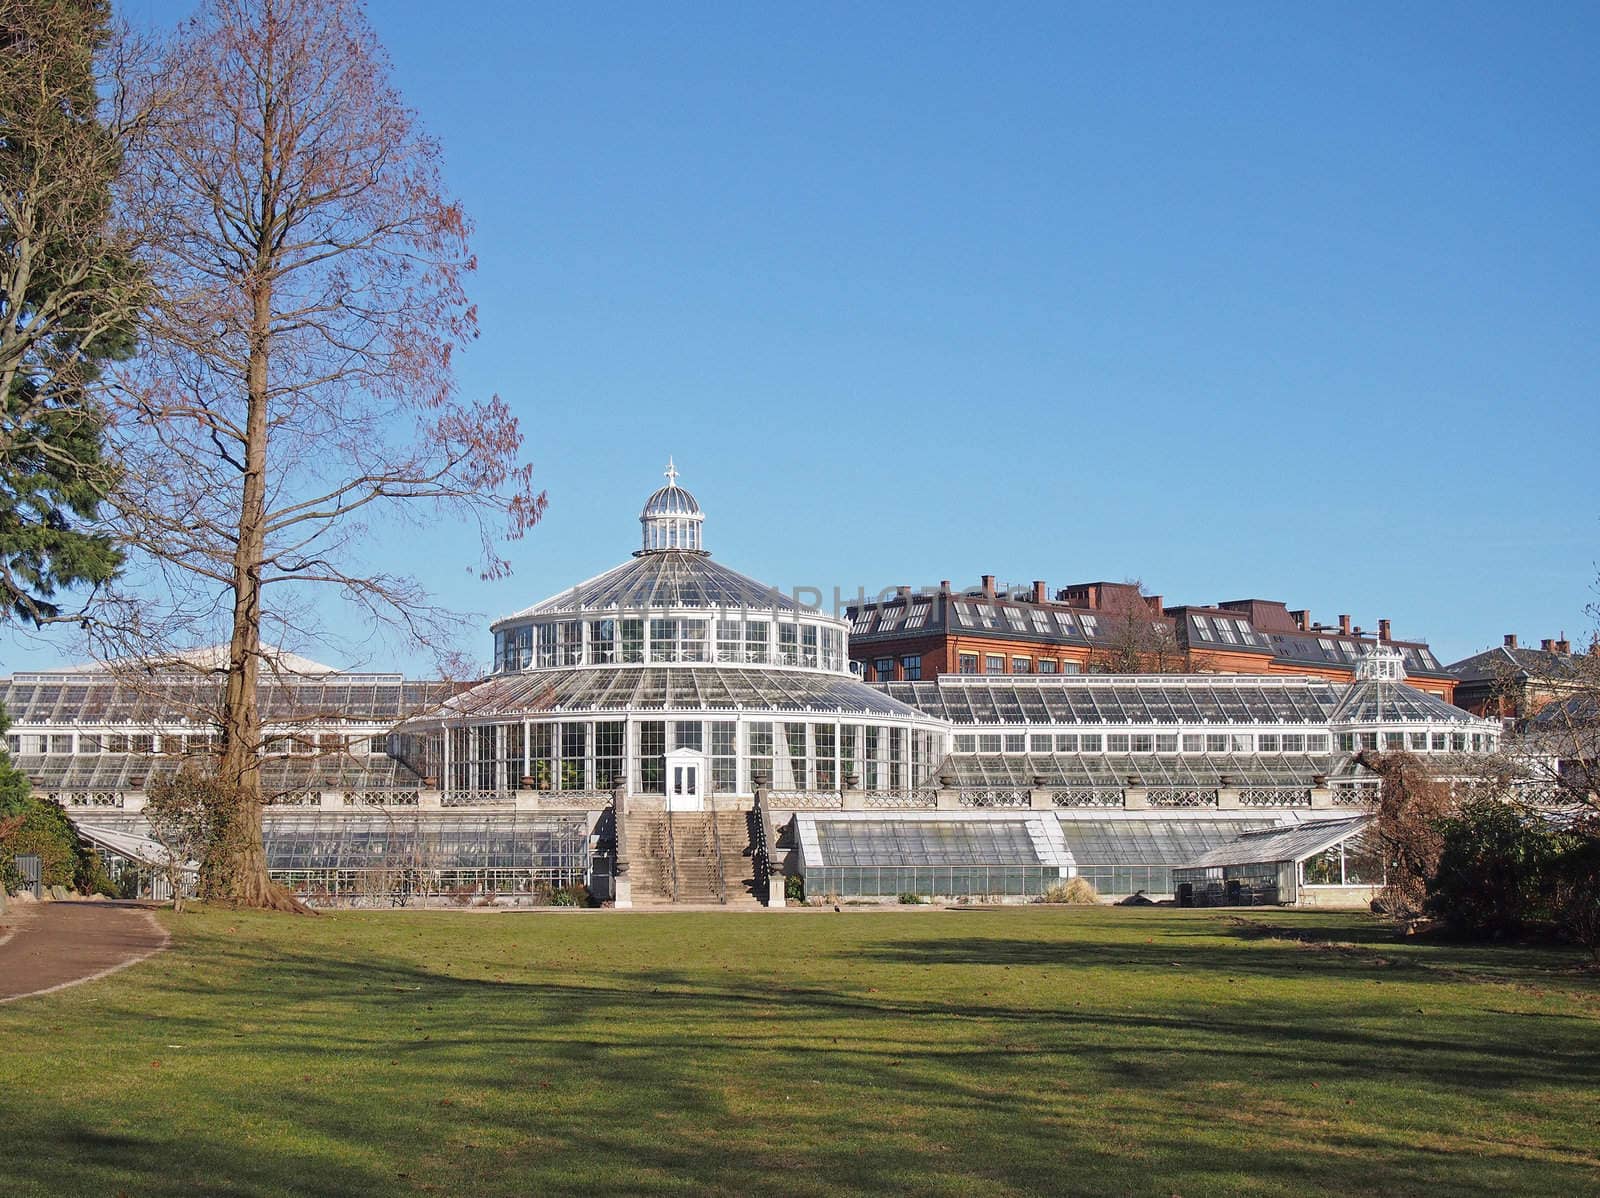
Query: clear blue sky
x: 1294, y: 302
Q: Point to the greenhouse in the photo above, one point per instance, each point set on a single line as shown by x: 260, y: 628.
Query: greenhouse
x: 671, y: 657
x: 325, y: 858
x: 392, y: 859
x: 931, y: 855
x: 1123, y: 856
x: 1327, y: 862
x: 675, y: 686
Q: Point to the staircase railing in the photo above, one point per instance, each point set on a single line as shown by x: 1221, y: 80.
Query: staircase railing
x: 672, y: 854
x: 718, y: 879
x: 762, y: 843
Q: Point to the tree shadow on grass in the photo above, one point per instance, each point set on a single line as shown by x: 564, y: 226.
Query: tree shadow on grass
x: 676, y: 1079
x: 67, y: 1154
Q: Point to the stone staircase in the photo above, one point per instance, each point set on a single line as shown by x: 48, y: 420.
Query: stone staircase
x: 698, y: 860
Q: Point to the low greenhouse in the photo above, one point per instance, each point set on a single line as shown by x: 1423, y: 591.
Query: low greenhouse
x: 1318, y: 863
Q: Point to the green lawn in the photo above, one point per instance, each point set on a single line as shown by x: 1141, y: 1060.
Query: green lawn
x: 1105, y: 1051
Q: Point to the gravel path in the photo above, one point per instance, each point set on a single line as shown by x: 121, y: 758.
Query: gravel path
x: 54, y: 945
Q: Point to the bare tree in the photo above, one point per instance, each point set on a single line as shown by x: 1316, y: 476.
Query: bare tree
x: 192, y: 817
x: 1412, y: 804
x: 1553, y: 703
x: 297, y: 377
x: 1139, y: 639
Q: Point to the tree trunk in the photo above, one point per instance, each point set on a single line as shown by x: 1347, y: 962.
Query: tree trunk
x: 247, y: 882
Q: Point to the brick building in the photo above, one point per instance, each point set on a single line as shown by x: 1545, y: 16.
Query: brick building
x: 1108, y: 627
x: 1514, y: 682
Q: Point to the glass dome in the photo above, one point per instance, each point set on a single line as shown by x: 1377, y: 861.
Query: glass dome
x: 671, y: 518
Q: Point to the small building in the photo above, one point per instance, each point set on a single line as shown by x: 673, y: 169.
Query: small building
x: 1327, y: 863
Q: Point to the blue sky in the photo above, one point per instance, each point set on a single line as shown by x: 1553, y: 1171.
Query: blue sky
x: 1247, y: 300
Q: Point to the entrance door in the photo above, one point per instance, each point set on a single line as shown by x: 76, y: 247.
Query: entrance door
x: 684, y: 791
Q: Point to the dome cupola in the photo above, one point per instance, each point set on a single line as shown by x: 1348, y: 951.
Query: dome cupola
x: 671, y: 517
x: 1381, y: 663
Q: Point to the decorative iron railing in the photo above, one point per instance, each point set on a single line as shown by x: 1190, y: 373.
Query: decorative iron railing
x: 88, y: 798
x: 991, y: 796
x: 804, y: 800
x: 382, y: 798
x: 1356, y: 794
x: 918, y: 797
x: 474, y: 798
x: 1275, y: 796
x: 1172, y: 796
x: 761, y: 855
x: 591, y: 799
x: 296, y: 798
x: 1087, y: 796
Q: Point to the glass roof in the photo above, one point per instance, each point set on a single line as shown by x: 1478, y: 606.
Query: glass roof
x: 279, y: 775
x: 1149, y: 769
x: 667, y: 578
x: 1288, y: 844
x: 1152, y: 699
x: 924, y: 842
x: 1378, y: 702
x: 671, y: 500
x: 618, y: 688
x: 504, y: 840
x: 109, y: 699
x: 1151, y: 841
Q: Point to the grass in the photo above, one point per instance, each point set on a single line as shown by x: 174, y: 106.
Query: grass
x: 990, y: 1051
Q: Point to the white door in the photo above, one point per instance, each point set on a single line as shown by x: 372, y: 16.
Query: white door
x: 684, y: 790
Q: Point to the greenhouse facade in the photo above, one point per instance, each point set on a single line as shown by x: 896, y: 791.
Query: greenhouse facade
x: 724, y: 718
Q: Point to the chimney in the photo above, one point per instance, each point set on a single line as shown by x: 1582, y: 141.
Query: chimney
x: 903, y: 592
x: 1563, y: 646
x: 1155, y: 603
x: 988, y: 585
x: 944, y: 586
x: 1511, y: 640
x: 1302, y: 619
x: 1040, y: 594
x: 1344, y: 625
x: 1548, y: 645
x: 1383, y: 630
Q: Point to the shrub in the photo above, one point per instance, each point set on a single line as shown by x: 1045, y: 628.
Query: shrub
x: 910, y: 899
x: 1074, y: 891
x: 198, y: 816
x: 1575, y: 885
x: 794, y: 888
x: 574, y: 895
x: 92, y: 877
x: 1494, y: 869
x: 41, y: 828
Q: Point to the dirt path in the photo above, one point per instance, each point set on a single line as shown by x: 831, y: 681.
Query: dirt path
x: 55, y: 945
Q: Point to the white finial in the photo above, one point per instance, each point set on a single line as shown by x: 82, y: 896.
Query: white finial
x: 671, y: 472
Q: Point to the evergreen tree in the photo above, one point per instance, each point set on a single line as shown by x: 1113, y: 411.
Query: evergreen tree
x: 14, y: 784
x: 69, y: 297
